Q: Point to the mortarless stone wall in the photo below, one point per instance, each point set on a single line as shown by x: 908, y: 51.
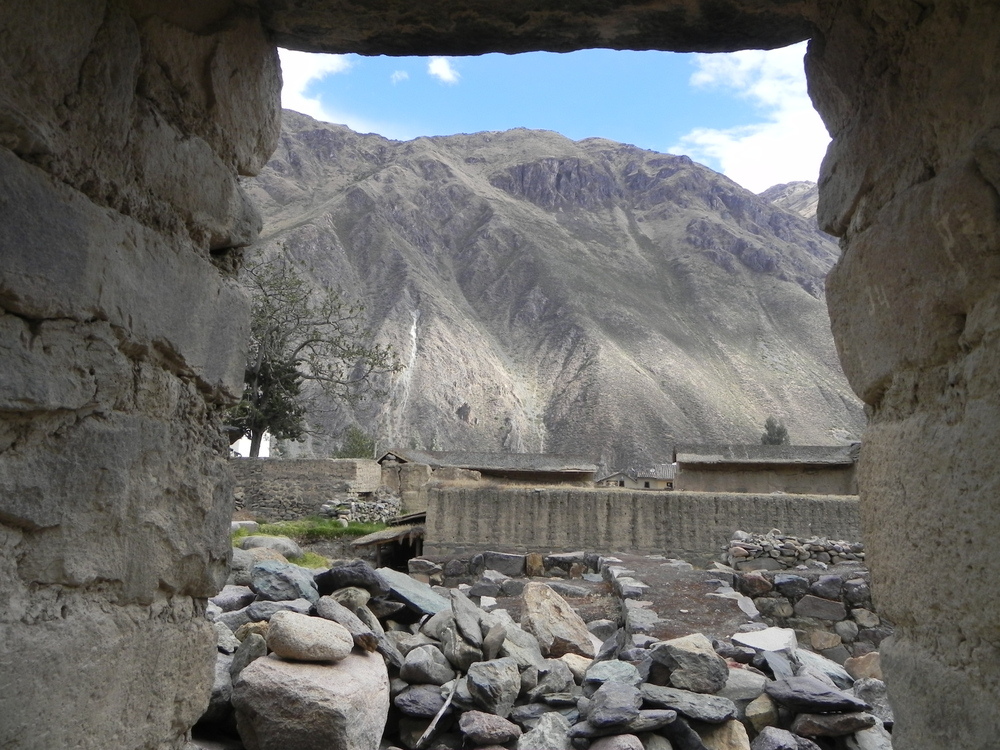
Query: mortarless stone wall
x: 282, y: 489
x: 693, y: 526
x: 122, y: 138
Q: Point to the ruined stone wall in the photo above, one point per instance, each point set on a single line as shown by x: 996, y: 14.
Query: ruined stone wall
x: 282, y: 489
x: 122, y: 136
x: 692, y: 526
x: 911, y: 95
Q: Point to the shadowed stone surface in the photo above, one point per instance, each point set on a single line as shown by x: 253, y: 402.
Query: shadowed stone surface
x: 301, y: 706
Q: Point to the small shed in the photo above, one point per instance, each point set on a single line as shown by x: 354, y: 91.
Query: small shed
x: 794, y: 469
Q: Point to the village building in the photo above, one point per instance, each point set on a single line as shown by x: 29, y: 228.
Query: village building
x: 655, y: 477
x: 792, y: 469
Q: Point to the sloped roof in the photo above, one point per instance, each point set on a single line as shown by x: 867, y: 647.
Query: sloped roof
x: 813, y: 455
x: 656, y: 471
x: 520, y: 462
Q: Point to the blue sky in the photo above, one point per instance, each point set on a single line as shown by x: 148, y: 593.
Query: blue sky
x: 745, y: 114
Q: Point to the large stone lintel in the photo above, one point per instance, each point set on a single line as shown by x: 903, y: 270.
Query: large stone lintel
x: 445, y: 27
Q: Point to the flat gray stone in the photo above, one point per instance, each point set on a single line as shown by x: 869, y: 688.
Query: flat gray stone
x: 281, y: 581
x: 600, y: 672
x: 233, y: 597
x: 742, y: 685
x: 807, y: 694
x: 426, y: 665
x: 774, y: 738
x: 418, y: 596
x: 822, y: 609
x: 487, y: 729
x: 421, y: 701
x: 506, y: 563
x: 709, y: 708
x: 832, y: 725
x: 613, y: 705
x: 769, y: 639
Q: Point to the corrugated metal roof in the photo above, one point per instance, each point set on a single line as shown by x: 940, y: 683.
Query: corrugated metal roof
x: 816, y: 455
x: 656, y: 471
x: 522, y: 462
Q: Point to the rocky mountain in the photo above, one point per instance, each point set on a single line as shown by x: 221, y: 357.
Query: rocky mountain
x: 567, y: 297
x: 800, y: 198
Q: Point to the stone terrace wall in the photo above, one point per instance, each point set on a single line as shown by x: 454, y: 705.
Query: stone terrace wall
x: 694, y: 526
x: 282, y: 489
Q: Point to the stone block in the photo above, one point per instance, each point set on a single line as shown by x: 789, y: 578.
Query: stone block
x: 823, y: 609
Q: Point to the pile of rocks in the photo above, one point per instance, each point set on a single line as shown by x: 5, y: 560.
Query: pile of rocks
x: 352, y: 657
x: 775, y: 551
x: 379, y: 507
x: 831, y: 610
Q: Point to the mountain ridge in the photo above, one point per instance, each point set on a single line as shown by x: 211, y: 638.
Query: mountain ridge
x: 561, y: 296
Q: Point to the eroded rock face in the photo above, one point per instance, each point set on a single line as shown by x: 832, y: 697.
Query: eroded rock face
x: 911, y: 182
x: 121, y: 140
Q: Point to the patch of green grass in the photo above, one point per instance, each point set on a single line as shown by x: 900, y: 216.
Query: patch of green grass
x: 311, y: 529
x: 310, y: 560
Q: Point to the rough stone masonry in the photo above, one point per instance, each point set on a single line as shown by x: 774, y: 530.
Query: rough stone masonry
x: 124, y: 129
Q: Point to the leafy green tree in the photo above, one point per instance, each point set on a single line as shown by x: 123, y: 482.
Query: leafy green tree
x: 299, y: 335
x: 775, y: 432
x: 357, y: 444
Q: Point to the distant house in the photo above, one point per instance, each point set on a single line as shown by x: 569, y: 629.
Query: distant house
x: 795, y: 469
x: 655, y: 477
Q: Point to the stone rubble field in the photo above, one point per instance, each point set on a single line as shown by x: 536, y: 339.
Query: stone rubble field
x: 360, y: 659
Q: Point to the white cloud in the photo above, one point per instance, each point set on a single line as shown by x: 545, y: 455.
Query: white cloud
x: 440, y: 68
x: 398, y: 75
x: 790, y: 141
x: 301, y: 71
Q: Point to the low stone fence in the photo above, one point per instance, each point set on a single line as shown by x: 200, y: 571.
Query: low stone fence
x: 283, y: 489
x: 692, y: 526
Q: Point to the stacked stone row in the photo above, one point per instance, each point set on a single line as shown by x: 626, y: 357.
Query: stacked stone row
x: 830, y: 610
x: 379, y: 510
x: 352, y: 657
x: 746, y: 551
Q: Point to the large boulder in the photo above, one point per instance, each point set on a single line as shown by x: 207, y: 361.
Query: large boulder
x: 280, y: 544
x: 553, y: 622
x: 283, y: 705
x: 693, y: 663
x: 296, y: 636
